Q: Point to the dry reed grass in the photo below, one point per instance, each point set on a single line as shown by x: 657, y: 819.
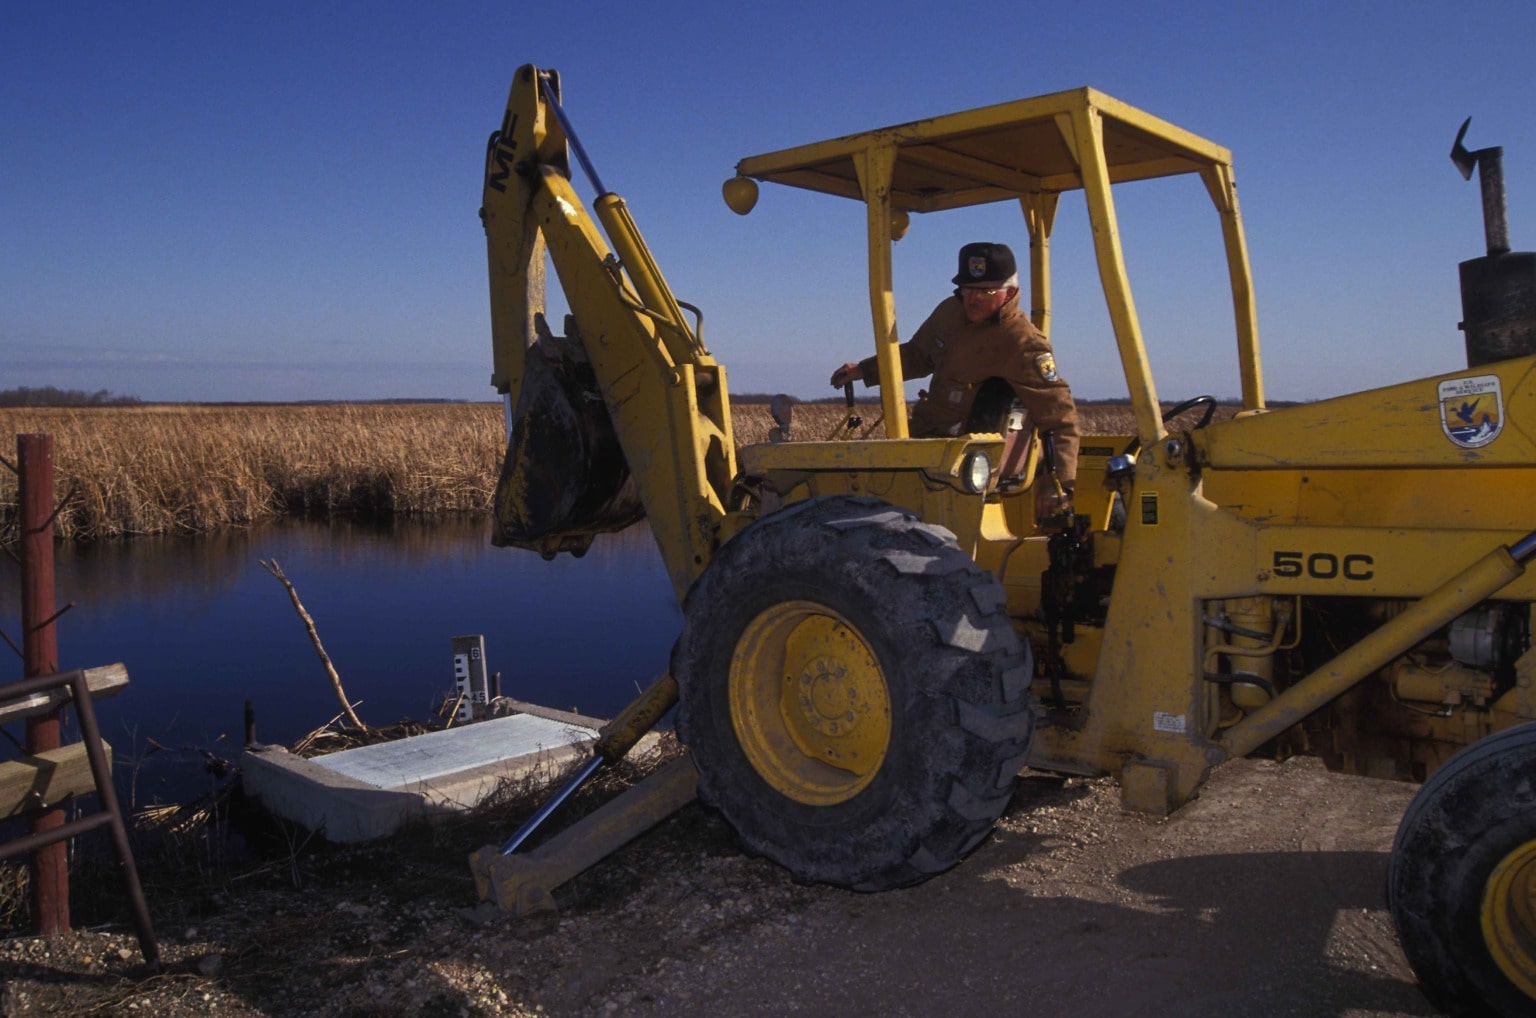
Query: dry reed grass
x: 123, y: 471
x: 190, y: 469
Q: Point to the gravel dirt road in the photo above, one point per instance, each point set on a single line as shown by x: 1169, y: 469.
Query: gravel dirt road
x: 1264, y: 897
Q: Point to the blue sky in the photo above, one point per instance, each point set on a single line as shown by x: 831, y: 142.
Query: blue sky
x: 277, y: 201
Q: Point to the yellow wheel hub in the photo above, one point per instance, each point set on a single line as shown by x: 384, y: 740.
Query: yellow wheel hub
x: 809, y: 703
x: 1509, y: 917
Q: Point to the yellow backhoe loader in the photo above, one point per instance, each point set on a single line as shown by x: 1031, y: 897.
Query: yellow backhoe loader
x: 878, y: 635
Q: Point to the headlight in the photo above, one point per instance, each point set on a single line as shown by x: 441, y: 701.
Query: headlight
x: 976, y: 471
x: 1120, y: 468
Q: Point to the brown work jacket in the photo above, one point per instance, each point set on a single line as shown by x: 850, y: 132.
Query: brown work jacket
x: 961, y: 356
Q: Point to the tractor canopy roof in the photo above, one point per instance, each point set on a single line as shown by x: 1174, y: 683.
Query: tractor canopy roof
x: 995, y: 153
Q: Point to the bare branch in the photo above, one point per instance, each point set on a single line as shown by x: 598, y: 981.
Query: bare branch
x: 271, y: 566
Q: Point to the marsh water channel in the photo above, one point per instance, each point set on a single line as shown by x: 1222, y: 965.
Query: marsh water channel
x: 203, y: 628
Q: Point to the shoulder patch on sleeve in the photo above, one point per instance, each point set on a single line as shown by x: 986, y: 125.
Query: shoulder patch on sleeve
x: 1046, y: 362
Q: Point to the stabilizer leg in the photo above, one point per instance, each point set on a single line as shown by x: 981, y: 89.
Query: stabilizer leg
x: 524, y: 884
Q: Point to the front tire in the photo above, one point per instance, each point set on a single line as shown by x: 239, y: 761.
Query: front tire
x: 853, y: 693
x: 1462, y: 881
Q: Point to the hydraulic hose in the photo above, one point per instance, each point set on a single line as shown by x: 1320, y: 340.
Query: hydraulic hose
x: 570, y: 135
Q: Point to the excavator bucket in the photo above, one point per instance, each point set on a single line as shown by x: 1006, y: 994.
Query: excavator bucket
x: 564, y: 479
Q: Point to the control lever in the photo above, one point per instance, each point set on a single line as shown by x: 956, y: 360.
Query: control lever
x: 1048, y: 457
x: 854, y: 420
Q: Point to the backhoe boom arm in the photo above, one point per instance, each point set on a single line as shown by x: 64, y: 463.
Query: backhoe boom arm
x: 630, y: 371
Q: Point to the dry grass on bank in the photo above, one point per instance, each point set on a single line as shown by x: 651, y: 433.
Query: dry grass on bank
x: 123, y: 471
x: 189, y: 469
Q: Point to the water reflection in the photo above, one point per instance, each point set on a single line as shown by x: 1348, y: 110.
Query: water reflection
x: 203, y: 628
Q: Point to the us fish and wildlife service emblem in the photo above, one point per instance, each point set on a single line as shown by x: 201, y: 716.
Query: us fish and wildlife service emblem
x: 1047, y: 365
x: 976, y: 266
x: 1472, y: 410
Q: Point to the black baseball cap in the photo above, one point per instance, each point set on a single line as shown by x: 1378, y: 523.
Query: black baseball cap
x: 985, y: 263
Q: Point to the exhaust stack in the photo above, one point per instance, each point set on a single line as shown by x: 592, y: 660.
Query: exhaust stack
x: 1498, y: 291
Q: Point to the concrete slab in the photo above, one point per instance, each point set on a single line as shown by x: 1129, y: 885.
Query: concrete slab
x: 369, y: 792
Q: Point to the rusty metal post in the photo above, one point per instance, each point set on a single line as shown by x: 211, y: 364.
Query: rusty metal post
x: 48, y: 867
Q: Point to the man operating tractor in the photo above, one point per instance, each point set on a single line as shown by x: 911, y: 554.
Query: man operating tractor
x: 976, y: 335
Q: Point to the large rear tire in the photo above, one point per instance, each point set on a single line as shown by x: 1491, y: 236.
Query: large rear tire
x: 1462, y: 881
x: 853, y: 693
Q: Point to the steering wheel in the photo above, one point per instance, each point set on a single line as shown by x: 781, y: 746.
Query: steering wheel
x: 1174, y: 411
